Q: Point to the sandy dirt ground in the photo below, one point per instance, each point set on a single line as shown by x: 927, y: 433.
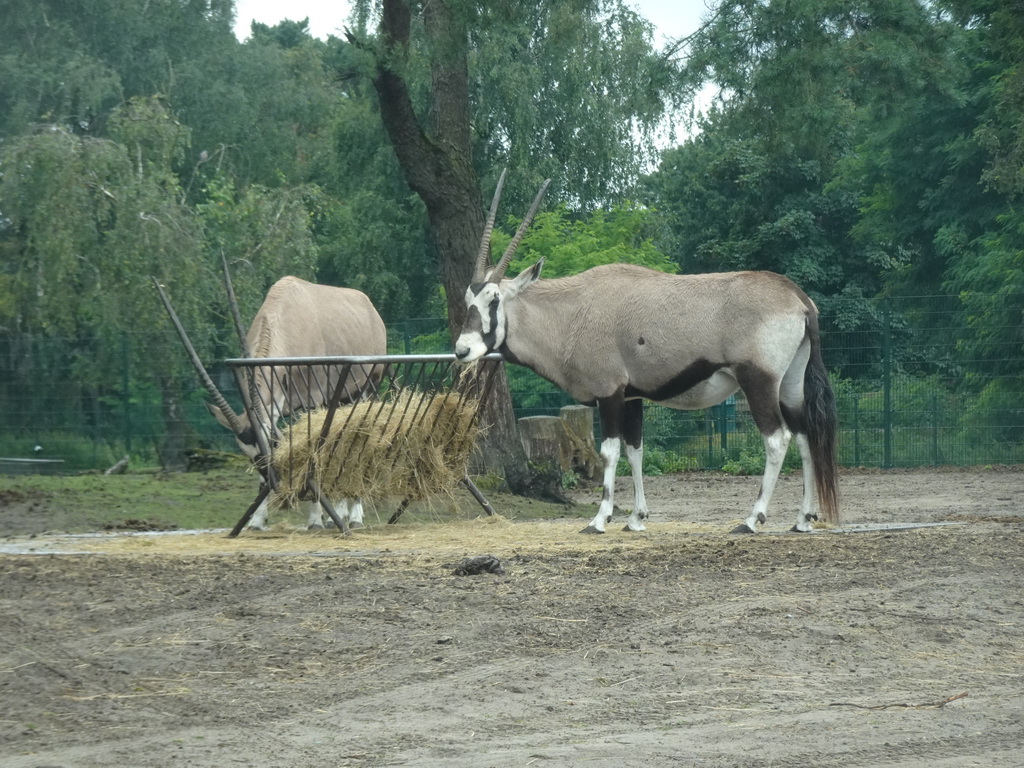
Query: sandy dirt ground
x: 877, y: 644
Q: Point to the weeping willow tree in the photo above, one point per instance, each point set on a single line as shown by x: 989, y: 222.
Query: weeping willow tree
x: 89, y: 221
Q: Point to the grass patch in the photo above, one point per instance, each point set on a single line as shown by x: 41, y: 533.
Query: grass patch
x: 195, y: 500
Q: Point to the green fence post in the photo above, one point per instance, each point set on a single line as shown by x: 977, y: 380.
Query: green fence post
x: 126, y: 393
x: 886, y: 384
x: 710, y: 435
x: 856, y: 431
x: 723, y: 428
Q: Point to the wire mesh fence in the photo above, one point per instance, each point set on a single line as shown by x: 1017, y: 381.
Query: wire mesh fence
x: 918, y: 381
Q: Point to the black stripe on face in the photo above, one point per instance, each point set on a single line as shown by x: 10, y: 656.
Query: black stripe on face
x: 473, y: 323
x: 692, y: 375
x: 474, y: 319
x: 491, y: 338
x: 247, y: 437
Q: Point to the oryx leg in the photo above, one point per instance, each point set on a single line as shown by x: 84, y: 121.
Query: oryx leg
x: 348, y: 509
x: 791, y: 397
x: 775, y: 446
x: 807, y: 513
x: 762, y: 391
x: 612, y: 412
x: 610, y: 454
x: 315, y: 514
x: 355, y: 513
x: 633, y: 437
x: 258, y: 521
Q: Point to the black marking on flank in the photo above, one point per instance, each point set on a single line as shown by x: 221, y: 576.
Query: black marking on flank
x: 641, y: 341
x: 692, y: 375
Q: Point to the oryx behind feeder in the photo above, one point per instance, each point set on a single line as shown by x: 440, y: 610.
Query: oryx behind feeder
x: 304, y: 320
x: 618, y: 334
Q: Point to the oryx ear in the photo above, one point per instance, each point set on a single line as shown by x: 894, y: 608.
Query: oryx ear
x: 525, y: 278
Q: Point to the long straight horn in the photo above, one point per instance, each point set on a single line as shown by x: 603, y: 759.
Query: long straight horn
x: 233, y: 304
x: 483, y: 259
x: 499, y: 270
x: 218, y: 399
x: 250, y: 396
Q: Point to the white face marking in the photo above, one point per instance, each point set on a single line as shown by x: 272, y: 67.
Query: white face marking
x: 484, y: 330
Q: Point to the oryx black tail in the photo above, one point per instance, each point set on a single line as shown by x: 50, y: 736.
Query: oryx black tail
x: 821, y: 421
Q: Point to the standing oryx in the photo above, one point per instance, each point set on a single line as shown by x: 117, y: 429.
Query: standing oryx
x: 298, y: 319
x: 617, y: 334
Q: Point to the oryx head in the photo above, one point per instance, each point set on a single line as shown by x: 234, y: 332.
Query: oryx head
x: 485, y: 327
x: 241, y: 428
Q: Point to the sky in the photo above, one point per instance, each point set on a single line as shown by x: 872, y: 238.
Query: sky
x: 671, y: 18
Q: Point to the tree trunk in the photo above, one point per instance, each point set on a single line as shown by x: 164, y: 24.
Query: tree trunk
x: 439, y: 168
x: 172, y: 449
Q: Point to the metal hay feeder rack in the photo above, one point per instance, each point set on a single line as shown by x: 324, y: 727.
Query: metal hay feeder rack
x: 318, y: 398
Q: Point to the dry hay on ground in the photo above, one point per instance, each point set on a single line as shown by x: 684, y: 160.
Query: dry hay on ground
x: 413, y: 446
x: 479, y: 535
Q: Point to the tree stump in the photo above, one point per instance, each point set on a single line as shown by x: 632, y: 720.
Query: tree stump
x: 548, y: 447
x: 579, y: 421
x: 546, y: 439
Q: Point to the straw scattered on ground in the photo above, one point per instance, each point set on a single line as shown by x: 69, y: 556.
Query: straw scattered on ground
x: 455, y: 538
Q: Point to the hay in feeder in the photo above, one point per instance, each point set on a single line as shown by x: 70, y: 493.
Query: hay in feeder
x: 414, y: 445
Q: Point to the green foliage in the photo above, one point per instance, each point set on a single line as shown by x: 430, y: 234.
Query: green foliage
x: 659, y: 461
x: 747, y: 463
x: 997, y: 413
x: 568, y: 90
x: 55, y: 192
x: 264, y: 233
x: 571, y: 244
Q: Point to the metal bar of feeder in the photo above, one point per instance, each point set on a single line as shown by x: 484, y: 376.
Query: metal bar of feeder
x: 254, y: 362
x: 483, y: 502
x: 260, y: 498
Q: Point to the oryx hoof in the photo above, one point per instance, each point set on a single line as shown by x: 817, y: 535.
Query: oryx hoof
x: 743, y: 528
x: 315, y: 527
x: 355, y: 525
x: 627, y: 529
x: 798, y: 529
x: 591, y: 529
